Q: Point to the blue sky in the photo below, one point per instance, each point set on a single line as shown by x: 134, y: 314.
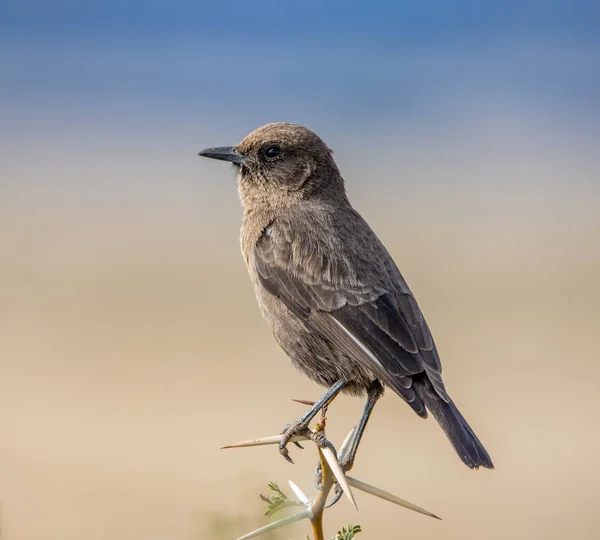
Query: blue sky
x: 128, y: 85
x: 137, y: 23
x: 337, y: 58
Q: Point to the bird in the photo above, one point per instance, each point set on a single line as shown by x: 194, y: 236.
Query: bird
x: 330, y: 291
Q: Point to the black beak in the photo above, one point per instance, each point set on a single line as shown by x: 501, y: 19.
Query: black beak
x: 224, y: 153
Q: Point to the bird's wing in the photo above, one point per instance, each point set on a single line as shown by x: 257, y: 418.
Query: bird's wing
x: 370, y: 323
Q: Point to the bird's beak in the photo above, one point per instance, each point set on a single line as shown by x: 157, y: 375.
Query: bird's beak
x: 224, y: 153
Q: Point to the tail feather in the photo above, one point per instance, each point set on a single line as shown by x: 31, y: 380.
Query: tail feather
x: 456, y: 428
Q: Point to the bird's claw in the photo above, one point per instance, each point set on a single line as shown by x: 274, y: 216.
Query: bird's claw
x: 297, y: 428
x: 338, y: 495
x: 319, y: 477
x: 285, y: 453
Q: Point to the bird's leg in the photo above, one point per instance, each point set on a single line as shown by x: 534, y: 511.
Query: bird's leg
x: 300, y: 426
x: 373, y: 394
x: 347, y: 460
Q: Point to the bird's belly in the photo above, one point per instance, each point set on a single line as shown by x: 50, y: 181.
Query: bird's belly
x: 312, y: 354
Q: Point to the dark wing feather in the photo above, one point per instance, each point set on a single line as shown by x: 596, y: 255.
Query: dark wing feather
x: 380, y: 328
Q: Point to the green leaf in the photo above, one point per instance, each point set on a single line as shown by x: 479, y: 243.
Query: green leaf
x: 278, y: 501
x: 347, y: 533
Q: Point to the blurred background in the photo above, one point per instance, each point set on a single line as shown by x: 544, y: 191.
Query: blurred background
x: 131, y: 348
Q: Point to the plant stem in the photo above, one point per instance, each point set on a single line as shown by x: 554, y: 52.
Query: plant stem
x: 327, y: 482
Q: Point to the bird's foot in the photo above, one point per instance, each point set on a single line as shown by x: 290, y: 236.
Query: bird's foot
x: 289, y: 431
x: 301, y: 428
x: 346, y: 463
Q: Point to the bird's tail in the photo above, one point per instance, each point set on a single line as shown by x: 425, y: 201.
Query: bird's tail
x: 462, y: 437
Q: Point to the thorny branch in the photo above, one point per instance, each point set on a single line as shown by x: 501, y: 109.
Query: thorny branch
x: 331, y: 473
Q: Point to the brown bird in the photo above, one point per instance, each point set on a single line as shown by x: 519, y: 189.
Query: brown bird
x: 330, y: 291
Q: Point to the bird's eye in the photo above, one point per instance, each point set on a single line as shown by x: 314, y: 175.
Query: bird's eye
x: 272, y: 152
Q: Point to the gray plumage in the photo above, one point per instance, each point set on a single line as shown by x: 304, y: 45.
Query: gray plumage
x: 330, y: 291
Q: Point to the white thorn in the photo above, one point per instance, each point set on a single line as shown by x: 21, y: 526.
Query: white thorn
x: 339, y: 474
x: 299, y: 493
x: 346, y: 444
x: 303, y: 514
x: 367, y: 488
x: 274, y: 439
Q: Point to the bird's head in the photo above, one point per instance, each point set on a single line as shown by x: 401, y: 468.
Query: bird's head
x: 281, y: 163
